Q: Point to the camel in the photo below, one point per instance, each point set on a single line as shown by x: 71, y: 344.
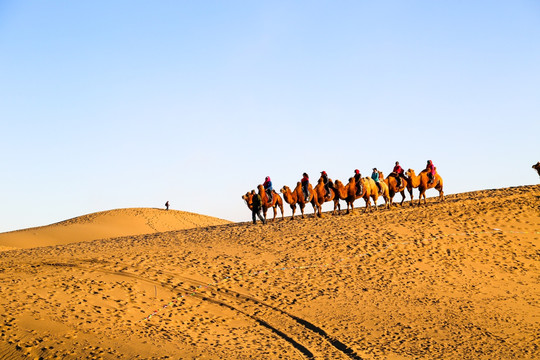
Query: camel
x: 277, y: 201
x: 344, y: 192
x: 297, y: 197
x: 537, y: 167
x: 368, y: 188
x: 393, y: 189
x: 421, y: 182
x: 321, y: 192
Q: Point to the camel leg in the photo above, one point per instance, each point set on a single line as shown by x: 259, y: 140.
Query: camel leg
x: 422, y: 193
x: 411, y: 194
x: 281, y: 208
x: 293, y: 208
x: 441, y: 192
x: 275, y: 213
x: 302, y: 209
x: 402, y: 197
x: 315, y: 205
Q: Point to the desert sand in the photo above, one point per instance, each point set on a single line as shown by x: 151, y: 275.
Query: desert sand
x: 106, y: 225
x: 452, y: 280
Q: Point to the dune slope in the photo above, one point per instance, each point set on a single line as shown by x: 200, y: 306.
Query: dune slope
x: 451, y: 280
x: 104, y: 225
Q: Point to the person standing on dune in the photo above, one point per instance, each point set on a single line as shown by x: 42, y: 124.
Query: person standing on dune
x: 256, y: 205
x: 167, y: 205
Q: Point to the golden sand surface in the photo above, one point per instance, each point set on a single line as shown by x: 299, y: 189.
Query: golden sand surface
x: 106, y: 225
x: 452, y: 280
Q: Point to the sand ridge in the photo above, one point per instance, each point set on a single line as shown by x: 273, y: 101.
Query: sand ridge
x: 451, y: 280
x: 105, y: 225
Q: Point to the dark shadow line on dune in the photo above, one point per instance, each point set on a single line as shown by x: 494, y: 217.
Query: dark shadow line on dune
x: 334, y: 342
x: 263, y: 323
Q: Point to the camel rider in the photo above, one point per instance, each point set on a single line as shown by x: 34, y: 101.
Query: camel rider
x: 375, y: 177
x: 430, y: 171
x: 256, y: 206
x: 398, y: 173
x: 324, y: 176
x: 305, y: 186
x: 268, y: 188
x: 357, y: 177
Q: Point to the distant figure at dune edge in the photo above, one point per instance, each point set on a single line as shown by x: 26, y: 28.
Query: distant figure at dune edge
x: 256, y: 206
x: 167, y: 205
x: 537, y: 167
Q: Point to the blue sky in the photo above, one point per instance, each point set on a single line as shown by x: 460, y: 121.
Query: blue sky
x: 113, y: 104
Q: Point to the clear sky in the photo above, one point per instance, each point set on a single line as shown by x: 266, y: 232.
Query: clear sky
x: 113, y: 104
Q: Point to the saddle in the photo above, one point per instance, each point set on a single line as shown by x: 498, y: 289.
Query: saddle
x: 270, y: 196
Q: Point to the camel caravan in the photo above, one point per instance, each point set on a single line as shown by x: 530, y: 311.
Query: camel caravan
x: 357, y: 187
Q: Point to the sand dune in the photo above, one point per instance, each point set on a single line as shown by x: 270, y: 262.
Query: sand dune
x: 105, y: 225
x: 451, y: 280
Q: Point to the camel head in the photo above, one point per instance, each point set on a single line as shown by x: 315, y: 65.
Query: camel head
x: 285, y: 189
x: 248, y: 198
x: 410, y: 173
x: 537, y: 167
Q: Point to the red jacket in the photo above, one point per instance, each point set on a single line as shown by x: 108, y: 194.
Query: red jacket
x: 398, y: 170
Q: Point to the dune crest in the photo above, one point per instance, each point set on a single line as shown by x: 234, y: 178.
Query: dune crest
x: 105, y: 225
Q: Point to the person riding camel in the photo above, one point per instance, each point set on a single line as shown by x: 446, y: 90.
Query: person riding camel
x: 431, y: 170
x: 305, y: 186
x: 398, y: 173
x: 324, y: 176
x: 357, y: 177
x: 268, y: 188
x: 375, y: 177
